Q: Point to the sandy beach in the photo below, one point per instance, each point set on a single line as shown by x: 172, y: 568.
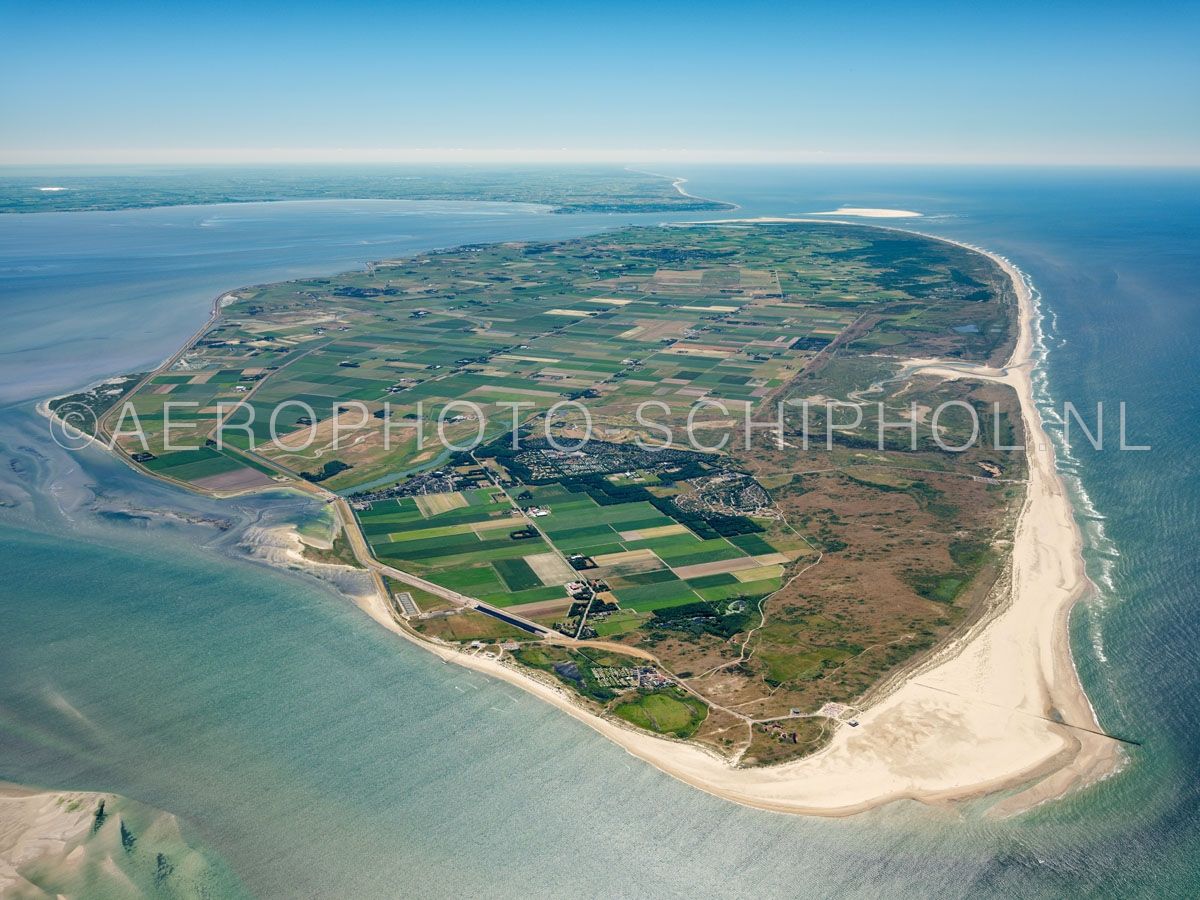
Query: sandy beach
x: 1000, y: 708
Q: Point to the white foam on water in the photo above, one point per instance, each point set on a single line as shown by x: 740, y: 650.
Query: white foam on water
x: 1100, y: 552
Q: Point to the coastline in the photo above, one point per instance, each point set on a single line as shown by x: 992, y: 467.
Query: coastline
x: 678, y: 182
x: 974, y: 719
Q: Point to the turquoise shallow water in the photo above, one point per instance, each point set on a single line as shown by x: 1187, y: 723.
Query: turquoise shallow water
x: 321, y: 756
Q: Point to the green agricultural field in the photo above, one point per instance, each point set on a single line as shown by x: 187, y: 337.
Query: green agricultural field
x: 669, y: 314
x: 618, y: 623
x: 517, y: 575
x: 664, y: 712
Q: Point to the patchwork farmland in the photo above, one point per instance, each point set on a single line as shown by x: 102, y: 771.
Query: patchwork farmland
x: 736, y: 585
x: 645, y: 559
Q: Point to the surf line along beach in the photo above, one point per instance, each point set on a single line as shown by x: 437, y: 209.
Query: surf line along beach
x: 1000, y: 707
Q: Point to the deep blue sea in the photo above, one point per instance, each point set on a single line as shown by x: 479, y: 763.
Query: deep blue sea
x: 319, y: 755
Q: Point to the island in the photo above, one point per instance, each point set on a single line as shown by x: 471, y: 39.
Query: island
x: 565, y: 190
x: 768, y: 503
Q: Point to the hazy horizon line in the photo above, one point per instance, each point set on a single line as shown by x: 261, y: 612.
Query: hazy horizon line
x: 535, y: 156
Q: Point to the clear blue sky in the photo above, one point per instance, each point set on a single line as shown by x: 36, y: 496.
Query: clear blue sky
x: 960, y: 82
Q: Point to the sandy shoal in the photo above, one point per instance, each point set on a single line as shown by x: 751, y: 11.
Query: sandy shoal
x: 35, y: 824
x: 867, y: 212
